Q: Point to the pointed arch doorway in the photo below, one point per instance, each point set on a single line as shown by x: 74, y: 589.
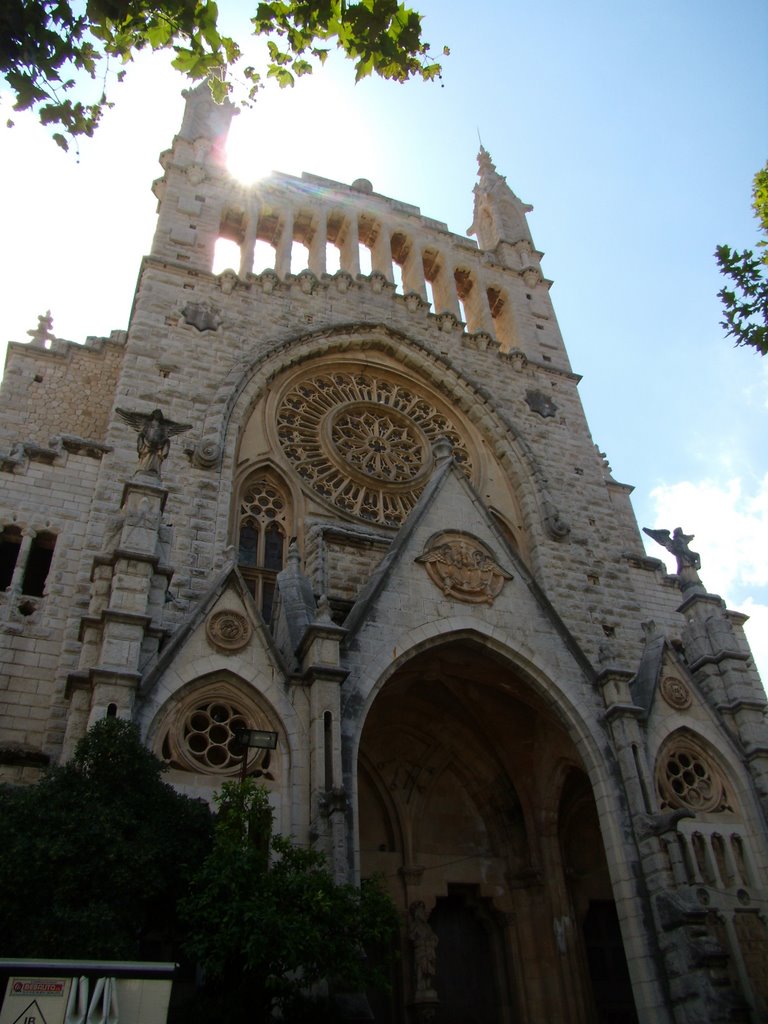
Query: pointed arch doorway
x: 473, y: 801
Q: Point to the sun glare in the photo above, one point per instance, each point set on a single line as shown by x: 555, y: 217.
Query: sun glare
x: 295, y: 129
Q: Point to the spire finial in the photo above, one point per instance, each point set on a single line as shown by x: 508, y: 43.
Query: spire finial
x: 41, y: 336
x: 485, y: 165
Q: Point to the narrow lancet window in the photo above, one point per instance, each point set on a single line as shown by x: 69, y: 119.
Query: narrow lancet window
x: 261, y: 538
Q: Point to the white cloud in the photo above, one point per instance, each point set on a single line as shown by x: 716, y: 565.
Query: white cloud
x: 730, y: 526
x: 730, y: 523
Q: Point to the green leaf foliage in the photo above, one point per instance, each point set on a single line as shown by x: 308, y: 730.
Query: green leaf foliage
x: 101, y: 849
x: 44, y: 42
x: 745, y: 298
x: 266, y: 921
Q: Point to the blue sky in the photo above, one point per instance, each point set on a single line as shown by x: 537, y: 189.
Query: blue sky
x: 634, y: 130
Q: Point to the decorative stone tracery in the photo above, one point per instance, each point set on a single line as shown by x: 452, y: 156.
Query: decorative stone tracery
x: 687, y: 778
x: 200, y: 734
x: 262, y: 533
x: 363, y: 441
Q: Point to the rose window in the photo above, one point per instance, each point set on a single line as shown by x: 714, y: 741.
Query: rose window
x: 686, y: 779
x: 204, y: 739
x: 385, y: 446
x: 363, y: 442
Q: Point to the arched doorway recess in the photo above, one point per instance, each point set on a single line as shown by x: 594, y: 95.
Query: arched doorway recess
x: 473, y: 800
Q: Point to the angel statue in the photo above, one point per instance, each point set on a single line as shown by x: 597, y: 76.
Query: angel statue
x: 678, y: 545
x: 154, y: 440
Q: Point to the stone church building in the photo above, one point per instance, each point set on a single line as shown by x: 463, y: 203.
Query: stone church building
x: 358, y: 505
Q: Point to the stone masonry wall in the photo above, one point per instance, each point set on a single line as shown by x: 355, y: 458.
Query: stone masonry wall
x: 65, y: 389
x: 34, y: 650
x: 172, y: 364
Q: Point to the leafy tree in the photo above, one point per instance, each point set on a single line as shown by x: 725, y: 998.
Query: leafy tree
x: 266, y: 921
x: 95, y: 856
x: 745, y: 302
x: 47, y: 47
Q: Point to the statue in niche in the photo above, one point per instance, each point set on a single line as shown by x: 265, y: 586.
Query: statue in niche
x: 424, y: 942
x: 154, y: 437
x: 678, y: 545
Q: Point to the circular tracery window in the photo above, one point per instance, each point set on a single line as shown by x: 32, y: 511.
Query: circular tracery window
x: 381, y: 444
x: 363, y: 442
x: 686, y: 778
x: 203, y: 738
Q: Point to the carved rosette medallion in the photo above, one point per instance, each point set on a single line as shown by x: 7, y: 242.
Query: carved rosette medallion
x: 228, y: 630
x: 675, y: 693
x: 463, y: 568
x: 363, y: 442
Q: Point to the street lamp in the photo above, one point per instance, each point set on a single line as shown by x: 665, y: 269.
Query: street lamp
x: 250, y: 739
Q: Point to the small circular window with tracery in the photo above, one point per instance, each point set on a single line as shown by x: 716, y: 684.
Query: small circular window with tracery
x: 203, y: 737
x: 687, y: 778
x: 363, y: 441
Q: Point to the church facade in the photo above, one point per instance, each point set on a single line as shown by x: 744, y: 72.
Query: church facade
x: 361, y: 509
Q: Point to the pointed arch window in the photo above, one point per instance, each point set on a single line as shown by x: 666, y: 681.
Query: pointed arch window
x: 262, y: 537
x: 38, y: 564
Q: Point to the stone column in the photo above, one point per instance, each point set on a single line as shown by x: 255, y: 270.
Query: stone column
x: 444, y: 291
x: 318, y: 243
x: 381, y: 253
x: 413, y: 271
x: 284, y: 245
x: 320, y: 660
x: 27, y: 536
x: 349, y: 245
x: 119, y: 621
x: 476, y: 306
x: 248, y: 247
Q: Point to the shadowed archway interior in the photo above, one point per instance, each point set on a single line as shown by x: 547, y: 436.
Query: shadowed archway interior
x: 472, y: 799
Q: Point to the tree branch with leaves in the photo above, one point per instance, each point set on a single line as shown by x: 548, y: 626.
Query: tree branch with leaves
x: 48, y: 50
x: 745, y: 299
x: 266, y: 921
x: 99, y: 851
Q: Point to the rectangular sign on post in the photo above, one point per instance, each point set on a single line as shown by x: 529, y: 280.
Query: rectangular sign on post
x: 35, y: 1000
x: 105, y: 1000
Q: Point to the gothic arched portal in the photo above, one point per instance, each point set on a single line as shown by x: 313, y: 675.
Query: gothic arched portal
x: 472, y: 799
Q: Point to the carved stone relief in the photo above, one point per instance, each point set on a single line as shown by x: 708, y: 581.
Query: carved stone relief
x: 202, y: 316
x: 463, y: 567
x: 675, y: 693
x: 228, y: 630
x: 539, y: 402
